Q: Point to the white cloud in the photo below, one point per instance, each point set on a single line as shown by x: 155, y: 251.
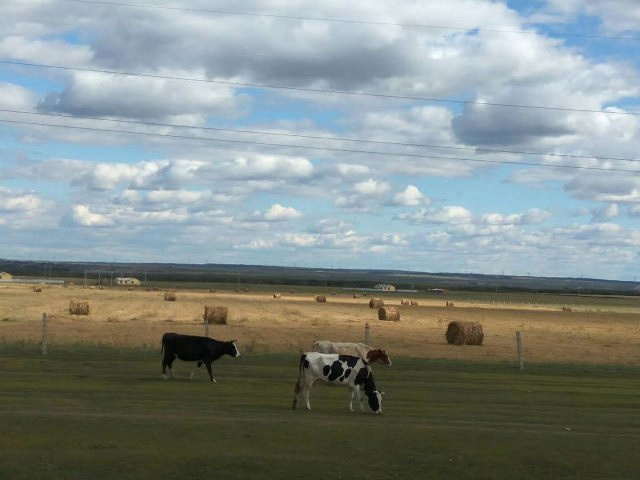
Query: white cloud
x: 351, y: 170
x: 279, y: 212
x: 530, y: 217
x: 411, y: 196
x: 371, y: 188
x: 445, y: 215
x: 84, y: 217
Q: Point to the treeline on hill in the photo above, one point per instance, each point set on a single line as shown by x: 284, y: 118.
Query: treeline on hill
x: 318, y: 277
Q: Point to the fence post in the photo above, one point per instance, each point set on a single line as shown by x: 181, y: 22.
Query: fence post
x: 519, y: 348
x: 45, y: 333
x: 366, y: 333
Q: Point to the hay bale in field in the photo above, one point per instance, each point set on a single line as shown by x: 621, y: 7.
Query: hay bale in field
x: 355, y: 296
x: 78, y: 308
x: 464, y: 333
x: 169, y: 296
x: 567, y: 309
x: 321, y: 299
x: 449, y: 304
x: 277, y: 295
x: 376, y: 303
x: 37, y: 289
x: 215, y: 315
x: 414, y: 303
x: 391, y: 314
x: 405, y: 301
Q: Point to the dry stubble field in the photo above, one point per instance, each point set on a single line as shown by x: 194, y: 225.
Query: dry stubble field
x: 291, y: 323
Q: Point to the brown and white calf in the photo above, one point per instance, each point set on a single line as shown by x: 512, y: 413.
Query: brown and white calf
x: 335, y: 369
x: 361, y: 350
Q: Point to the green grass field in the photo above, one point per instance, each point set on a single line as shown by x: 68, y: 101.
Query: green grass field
x: 91, y: 413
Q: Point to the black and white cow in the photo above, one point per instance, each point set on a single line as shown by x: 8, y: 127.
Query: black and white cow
x: 336, y: 369
x: 191, y: 348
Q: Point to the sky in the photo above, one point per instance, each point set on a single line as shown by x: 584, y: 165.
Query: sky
x: 472, y: 136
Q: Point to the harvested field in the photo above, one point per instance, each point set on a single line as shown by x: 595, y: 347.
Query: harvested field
x: 589, y: 334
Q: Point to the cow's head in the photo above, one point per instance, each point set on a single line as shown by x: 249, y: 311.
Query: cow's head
x: 378, y: 354
x: 375, y: 401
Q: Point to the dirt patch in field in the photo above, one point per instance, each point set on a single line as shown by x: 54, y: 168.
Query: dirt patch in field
x: 291, y: 323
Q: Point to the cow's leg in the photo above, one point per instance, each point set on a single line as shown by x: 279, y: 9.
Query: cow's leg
x: 167, y: 362
x: 208, y: 365
x: 306, y: 391
x: 350, y: 398
x: 360, y: 399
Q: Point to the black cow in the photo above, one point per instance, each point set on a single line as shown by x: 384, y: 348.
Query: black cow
x: 191, y: 348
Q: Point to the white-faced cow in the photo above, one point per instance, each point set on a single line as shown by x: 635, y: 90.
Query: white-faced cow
x: 352, y: 372
x: 361, y: 350
x: 191, y: 348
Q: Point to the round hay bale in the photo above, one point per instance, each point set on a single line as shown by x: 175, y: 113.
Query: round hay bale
x: 405, y: 301
x: 169, y: 296
x: 37, y: 289
x: 567, y: 309
x: 277, y: 295
x: 464, y: 333
x: 391, y: 314
x: 78, y: 308
x: 376, y: 303
x: 449, y: 304
x: 414, y: 303
x: 215, y: 315
x: 321, y: 299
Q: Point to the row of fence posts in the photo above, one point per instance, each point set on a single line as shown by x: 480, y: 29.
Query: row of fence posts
x: 367, y: 337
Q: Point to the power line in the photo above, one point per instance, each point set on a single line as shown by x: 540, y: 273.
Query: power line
x: 312, y: 90
x: 348, y: 20
x: 320, y: 137
x: 317, y: 148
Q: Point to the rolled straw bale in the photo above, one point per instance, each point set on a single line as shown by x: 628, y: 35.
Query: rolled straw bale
x: 566, y: 309
x: 376, y: 303
x: 449, y: 304
x: 464, y: 333
x: 37, y: 289
x: 277, y: 295
x: 405, y: 301
x: 79, y: 308
x: 414, y: 303
x: 391, y: 314
x: 321, y: 299
x: 216, y: 315
x: 169, y: 296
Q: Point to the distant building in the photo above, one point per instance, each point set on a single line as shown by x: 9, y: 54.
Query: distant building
x: 129, y: 281
x: 5, y: 276
x: 386, y: 287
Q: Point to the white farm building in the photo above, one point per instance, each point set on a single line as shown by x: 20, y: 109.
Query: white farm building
x: 129, y: 281
x: 385, y: 287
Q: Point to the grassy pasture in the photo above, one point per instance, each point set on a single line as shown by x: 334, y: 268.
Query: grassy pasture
x: 104, y: 412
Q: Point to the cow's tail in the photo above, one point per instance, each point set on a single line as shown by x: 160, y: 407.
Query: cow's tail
x: 298, y: 388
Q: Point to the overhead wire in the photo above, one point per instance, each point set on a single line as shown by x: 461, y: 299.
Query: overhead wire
x: 319, y: 148
x: 322, y: 137
x: 348, y: 20
x: 314, y: 90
